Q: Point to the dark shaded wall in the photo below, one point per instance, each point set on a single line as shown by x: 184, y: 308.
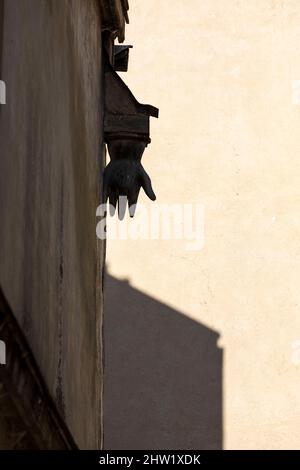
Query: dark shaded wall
x: 163, y: 375
x: 12, y: 435
x: 50, y: 161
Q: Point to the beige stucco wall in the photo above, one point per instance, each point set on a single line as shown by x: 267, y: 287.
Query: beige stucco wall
x: 224, y: 75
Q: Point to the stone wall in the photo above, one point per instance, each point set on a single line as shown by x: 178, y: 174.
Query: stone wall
x: 50, y: 161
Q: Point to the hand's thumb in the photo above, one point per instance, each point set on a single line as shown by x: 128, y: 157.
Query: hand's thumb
x: 147, y: 186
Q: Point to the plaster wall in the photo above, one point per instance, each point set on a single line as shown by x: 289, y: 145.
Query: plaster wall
x: 50, y: 162
x: 225, y: 75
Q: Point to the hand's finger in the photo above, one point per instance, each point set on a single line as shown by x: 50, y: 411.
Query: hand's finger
x: 113, y: 196
x: 132, y: 200
x: 105, y: 187
x: 122, y: 202
x: 147, y: 186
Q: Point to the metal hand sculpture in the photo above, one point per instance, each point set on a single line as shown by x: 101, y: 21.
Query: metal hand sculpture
x: 124, y: 176
x: 126, y: 133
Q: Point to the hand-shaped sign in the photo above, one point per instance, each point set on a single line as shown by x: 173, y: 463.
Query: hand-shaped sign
x: 124, y: 176
x: 126, y: 127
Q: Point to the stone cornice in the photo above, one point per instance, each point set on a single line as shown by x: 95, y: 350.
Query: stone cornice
x: 22, y: 385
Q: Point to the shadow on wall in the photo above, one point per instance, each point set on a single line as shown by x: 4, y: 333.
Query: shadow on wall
x: 163, y: 375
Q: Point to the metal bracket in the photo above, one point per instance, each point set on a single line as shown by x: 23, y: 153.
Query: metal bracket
x: 125, y: 117
x: 121, y: 58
